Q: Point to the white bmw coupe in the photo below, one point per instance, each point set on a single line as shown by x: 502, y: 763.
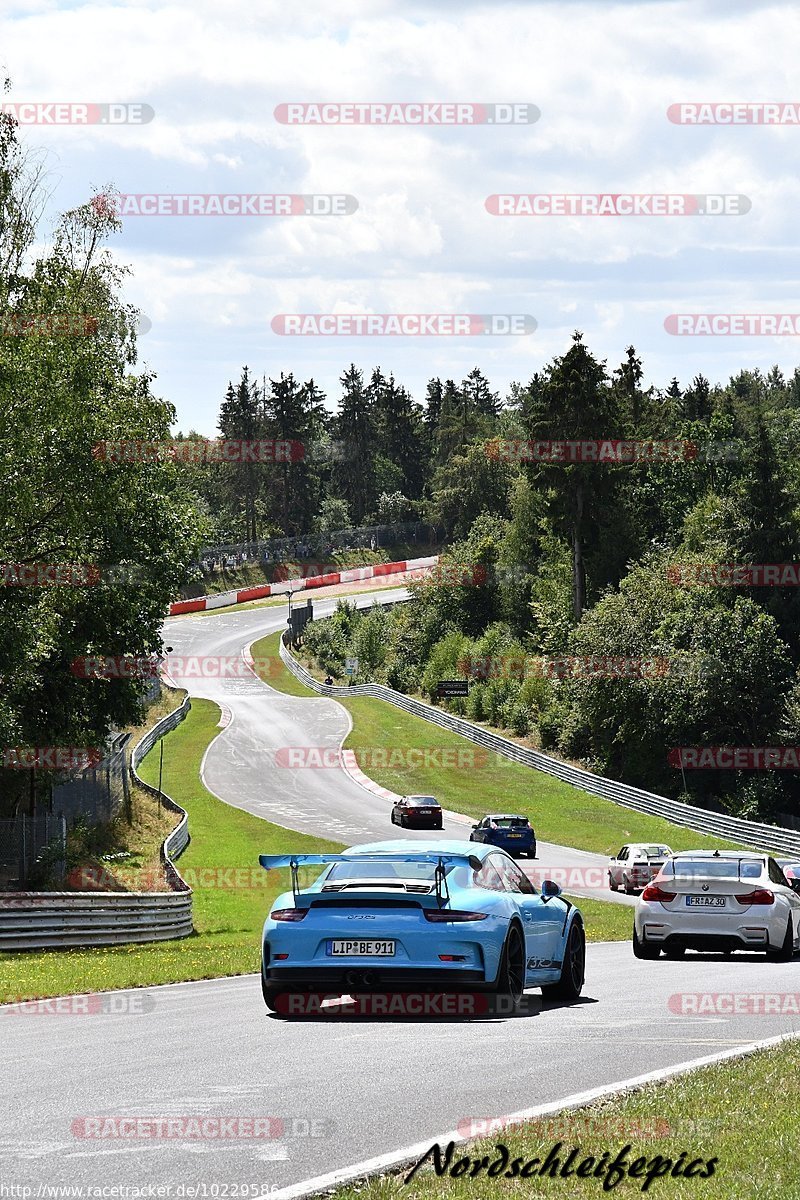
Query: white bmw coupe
x: 721, y: 900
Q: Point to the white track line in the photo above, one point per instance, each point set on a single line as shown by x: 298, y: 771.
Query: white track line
x: 412, y: 1154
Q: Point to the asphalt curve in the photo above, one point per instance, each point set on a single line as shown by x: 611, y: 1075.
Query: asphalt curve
x: 339, y: 1091
x: 249, y: 763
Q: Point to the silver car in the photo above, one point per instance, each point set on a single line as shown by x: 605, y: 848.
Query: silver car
x: 718, y: 900
x: 635, y: 864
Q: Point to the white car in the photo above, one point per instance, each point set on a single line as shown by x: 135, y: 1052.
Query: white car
x: 718, y: 900
x: 635, y: 864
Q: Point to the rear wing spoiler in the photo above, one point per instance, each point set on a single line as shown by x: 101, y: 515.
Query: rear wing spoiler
x: 273, y: 862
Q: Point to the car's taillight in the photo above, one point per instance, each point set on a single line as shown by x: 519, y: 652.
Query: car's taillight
x: 289, y: 914
x: 654, y: 892
x: 449, y: 914
x: 758, y: 896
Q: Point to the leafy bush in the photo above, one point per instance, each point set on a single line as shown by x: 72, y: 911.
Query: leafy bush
x: 443, y: 662
x: 520, y: 719
x: 476, y: 706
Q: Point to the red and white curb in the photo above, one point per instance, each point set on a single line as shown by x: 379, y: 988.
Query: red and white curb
x: 285, y: 586
x: 351, y: 767
x: 350, y: 764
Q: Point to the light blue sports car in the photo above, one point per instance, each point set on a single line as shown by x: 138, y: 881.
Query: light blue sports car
x: 426, y: 916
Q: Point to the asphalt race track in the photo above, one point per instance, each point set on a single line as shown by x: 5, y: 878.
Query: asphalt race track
x: 361, y: 1087
x: 241, y: 768
x: 345, y: 1091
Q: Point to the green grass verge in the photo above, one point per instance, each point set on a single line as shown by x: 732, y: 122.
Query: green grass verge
x: 744, y: 1113
x: 269, y: 666
x: 558, y: 812
x: 231, y: 893
x: 605, y: 920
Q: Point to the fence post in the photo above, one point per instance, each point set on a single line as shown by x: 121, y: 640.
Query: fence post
x: 62, y: 862
x: 23, y: 874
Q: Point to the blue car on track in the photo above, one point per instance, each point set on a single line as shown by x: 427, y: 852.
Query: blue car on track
x: 509, y: 831
x: 443, y: 916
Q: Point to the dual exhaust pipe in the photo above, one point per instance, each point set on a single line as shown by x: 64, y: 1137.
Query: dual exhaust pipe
x: 364, y: 978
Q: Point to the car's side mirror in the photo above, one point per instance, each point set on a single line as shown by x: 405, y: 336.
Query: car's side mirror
x: 474, y: 826
x: 794, y: 884
x: 549, y: 889
x: 475, y: 863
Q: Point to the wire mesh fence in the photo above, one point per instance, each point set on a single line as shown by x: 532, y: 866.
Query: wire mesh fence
x: 318, y: 544
x: 26, y: 842
x: 99, y: 793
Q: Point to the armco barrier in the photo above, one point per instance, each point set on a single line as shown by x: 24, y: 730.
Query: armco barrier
x: 262, y: 590
x: 746, y: 833
x: 178, y: 839
x: 42, y: 920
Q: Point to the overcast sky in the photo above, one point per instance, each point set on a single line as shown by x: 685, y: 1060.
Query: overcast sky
x: 603, y: 76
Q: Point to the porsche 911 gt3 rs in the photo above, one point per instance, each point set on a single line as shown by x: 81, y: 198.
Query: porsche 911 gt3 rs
x: 425, y: 916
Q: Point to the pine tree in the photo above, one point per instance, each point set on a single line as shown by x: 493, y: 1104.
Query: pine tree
x: 433, y: 404
x: 478, y: 397
x: 627, y: 378
x: 294, y: 416
x: 241, y: 417
x: 399, y: 428
x: 354, y: 431
x: 449, y: 432
x: 575, y: 403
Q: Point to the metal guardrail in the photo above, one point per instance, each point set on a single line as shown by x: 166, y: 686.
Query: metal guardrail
x: 178, y: 839
x: 326, y: 541
x: 42, y: 920
x: 747, y: 833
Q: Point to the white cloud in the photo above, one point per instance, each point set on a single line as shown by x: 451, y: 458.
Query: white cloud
x: 603, y: 74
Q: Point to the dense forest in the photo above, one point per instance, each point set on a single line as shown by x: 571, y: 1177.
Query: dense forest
x: 380, y: 458
x: 592, y: 602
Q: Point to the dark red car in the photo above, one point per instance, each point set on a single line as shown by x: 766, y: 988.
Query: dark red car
x: 418, y: 812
